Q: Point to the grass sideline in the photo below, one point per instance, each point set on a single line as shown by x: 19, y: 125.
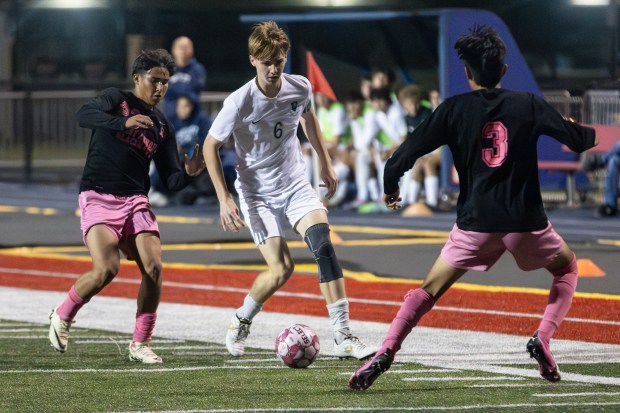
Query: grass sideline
x: 96, y: 376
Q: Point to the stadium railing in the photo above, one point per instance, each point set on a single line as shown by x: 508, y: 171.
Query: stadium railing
x: 40, y: 138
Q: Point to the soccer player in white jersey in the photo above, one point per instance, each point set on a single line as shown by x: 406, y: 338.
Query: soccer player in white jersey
x: 262, y: 117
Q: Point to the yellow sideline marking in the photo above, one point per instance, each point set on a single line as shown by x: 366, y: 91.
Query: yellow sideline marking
x: 389, y: 231
x: 613, y: 242
x: 361, y: 276
x: 28, y: 210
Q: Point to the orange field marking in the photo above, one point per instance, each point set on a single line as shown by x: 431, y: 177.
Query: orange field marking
x: 587, y: 268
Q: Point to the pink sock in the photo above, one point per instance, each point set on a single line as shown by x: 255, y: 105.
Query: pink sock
x: 145, y: 324
x: 72, y: 304
x: 417, y: 303
x: 560, y: 299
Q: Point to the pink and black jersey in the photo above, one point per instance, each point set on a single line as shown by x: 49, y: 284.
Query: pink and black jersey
x: 493, y: 137
x: 118, y: 159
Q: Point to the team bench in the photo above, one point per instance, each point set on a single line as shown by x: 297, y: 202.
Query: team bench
x: 607, y: 136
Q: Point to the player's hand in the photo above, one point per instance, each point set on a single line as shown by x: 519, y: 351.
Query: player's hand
x: 229, y: 216
x: 330, y: 180
x: 139, y: 121
x: 196, y: 164
x: 392, y: 201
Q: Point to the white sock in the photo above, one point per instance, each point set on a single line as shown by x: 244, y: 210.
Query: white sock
x: 431, y: 189
x: 373, y: 189
x: 339, y: 319
x: 249, y: 308
x: 362, y: 174
x: 414, y: 192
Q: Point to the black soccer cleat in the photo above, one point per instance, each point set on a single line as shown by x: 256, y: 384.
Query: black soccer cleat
x: 546, y: 365
x: 365, y: 376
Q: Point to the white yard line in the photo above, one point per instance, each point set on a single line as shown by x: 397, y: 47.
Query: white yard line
x: 583, y: 394
x: 465, y: 378
x: 432, y: 347
x: 207, y: 287
x: 475, y: 407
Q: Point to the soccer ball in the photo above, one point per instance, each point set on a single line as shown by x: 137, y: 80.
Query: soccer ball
x: 297, y: 346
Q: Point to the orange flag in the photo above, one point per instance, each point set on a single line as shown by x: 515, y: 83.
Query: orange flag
x: 317, y: 78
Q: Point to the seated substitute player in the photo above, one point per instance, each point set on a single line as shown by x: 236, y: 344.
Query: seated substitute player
x: 263, y: 116
x: 492, y: 133
x: 127, y: 132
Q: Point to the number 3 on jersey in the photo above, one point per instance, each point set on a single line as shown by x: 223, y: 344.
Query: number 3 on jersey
x: 494, y: 144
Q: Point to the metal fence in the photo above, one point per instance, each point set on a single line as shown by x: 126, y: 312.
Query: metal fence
x: 38, y: 130
x: 594, y: 107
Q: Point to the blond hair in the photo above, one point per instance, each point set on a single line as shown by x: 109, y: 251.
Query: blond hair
x: 412, y: 92
x: 266, y: 40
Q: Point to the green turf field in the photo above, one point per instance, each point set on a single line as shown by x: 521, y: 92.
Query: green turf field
x: 96, y: 376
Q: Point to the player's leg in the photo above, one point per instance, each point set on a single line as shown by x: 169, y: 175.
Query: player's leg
x: 103, y: 247
x: 146, y: 248
x: 417, y: 303
x: 546, y: 248
x: 465, y: 250
x: 280, y: 268
x: 315, y: 227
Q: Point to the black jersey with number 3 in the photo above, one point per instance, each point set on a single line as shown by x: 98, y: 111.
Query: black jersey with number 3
x: 493, y: 137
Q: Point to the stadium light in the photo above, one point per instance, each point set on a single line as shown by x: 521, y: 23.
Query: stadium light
x: 69, y: 4
x: 590, y: 2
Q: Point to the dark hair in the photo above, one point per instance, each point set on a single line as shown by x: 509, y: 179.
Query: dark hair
x: 381, y: 94
x: 353, y: 96
x: 387, y: 71
x: 150, y: 58
x: 483, y: 52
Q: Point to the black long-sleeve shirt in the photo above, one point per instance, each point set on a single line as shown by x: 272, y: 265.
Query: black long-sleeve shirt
x: 493, y: 137
x: 118, y: 159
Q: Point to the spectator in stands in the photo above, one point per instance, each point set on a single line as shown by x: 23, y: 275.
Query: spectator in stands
x: 611, y: 160
x: 384, y: 77
x: 189, y: 77
x: 188, y: 80
x: 386, y: 131
x: 332, y: 119
x: 359, y: 115
x: 426, y: 168
x: 191, y: 125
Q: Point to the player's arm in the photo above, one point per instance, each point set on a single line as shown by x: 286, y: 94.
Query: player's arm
x: 310, y: 124
x: 174, y: 175
x: 97, y: 113
x: 577, y: 137
x: 230, y: 218
x: 427, y: 137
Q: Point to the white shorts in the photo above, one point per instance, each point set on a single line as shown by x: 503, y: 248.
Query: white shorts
x: 269, y: 216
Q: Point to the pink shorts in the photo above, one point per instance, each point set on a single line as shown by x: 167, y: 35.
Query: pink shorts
x: 123, y: 215
x: 478, y: 251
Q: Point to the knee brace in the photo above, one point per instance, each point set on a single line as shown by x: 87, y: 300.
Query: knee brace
x: 317, y: 238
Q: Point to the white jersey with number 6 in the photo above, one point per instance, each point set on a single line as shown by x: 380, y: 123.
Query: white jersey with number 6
x: 265, y: 133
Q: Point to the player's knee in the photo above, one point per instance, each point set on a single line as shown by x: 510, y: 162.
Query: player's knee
x: 153, y: 271
x: 102, y: 275
x: 281, y: 273
x: 317, y: 238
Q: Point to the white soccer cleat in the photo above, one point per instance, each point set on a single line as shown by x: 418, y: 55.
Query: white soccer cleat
x: 238, y: 332
x: 143, y: 353
x: 59, y: 332
x: 352, y: 347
